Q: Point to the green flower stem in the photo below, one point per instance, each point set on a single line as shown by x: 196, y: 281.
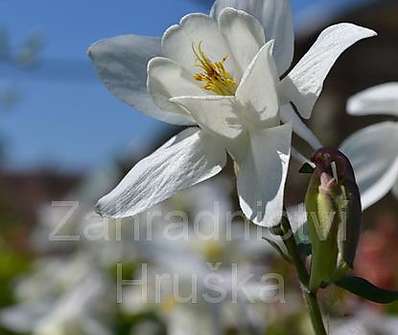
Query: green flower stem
x: 285, y: 231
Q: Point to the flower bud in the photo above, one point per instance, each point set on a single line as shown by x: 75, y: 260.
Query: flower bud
x: 333, y: 207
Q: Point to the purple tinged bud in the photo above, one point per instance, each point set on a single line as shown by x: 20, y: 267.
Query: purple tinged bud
x: 334, y: 216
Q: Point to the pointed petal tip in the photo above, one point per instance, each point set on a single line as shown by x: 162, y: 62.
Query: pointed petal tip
x: 304, y: 84
x: 185, y: 160
x: 90, y: 52
x: 366, y: 32
x: 105, y: 209
x: 371, y: 32
x: 100, y: 208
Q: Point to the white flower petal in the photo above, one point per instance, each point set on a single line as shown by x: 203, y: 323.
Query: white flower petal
x: 216, y: 113
x: 257, y: 90
x: 244, y: 35
x: 382, y: 99
x: 373, y: 152
x: 276, y: 18
x: 304, y: 83
x: 187, y: 159
x: 262, y: 175
x: 166, y: 80
x: 289, y: 115
x: 121, y: 63
x: 24, y: 317
x: 178, y: 40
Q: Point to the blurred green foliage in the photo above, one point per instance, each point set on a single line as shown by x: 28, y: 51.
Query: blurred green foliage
x: 12, y: 265
x: 293, y: 324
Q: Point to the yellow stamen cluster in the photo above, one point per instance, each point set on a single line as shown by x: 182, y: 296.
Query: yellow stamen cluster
x: 214, y: 75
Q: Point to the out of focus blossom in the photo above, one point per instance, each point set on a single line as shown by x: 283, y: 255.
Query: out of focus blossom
x: 373, y: 151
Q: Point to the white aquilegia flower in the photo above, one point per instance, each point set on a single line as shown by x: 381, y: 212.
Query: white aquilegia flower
x: 374, y: 150
x: 221, y: 72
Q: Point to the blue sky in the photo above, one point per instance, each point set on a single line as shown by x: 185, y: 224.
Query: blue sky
x: 67, y: 118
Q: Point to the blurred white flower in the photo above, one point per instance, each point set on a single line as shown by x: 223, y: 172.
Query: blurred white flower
x: 69, y: 291
x: 54, y: 234
x: 366, y: 322
x: 52, y: 277
x: 193, y: 259
x: 373, y: 151
x: 79, y: 311
x: 196, y: 318
x: 170, y: 291
x: 56, y: 297
x: 77, y: 307
x: 221, y: 72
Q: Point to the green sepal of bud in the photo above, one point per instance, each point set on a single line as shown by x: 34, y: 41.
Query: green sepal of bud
x: 334, y: 217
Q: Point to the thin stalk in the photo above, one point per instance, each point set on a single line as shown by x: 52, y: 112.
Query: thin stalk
x: 310, y: 298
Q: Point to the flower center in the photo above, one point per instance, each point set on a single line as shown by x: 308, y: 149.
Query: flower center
x: 214, y: 75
